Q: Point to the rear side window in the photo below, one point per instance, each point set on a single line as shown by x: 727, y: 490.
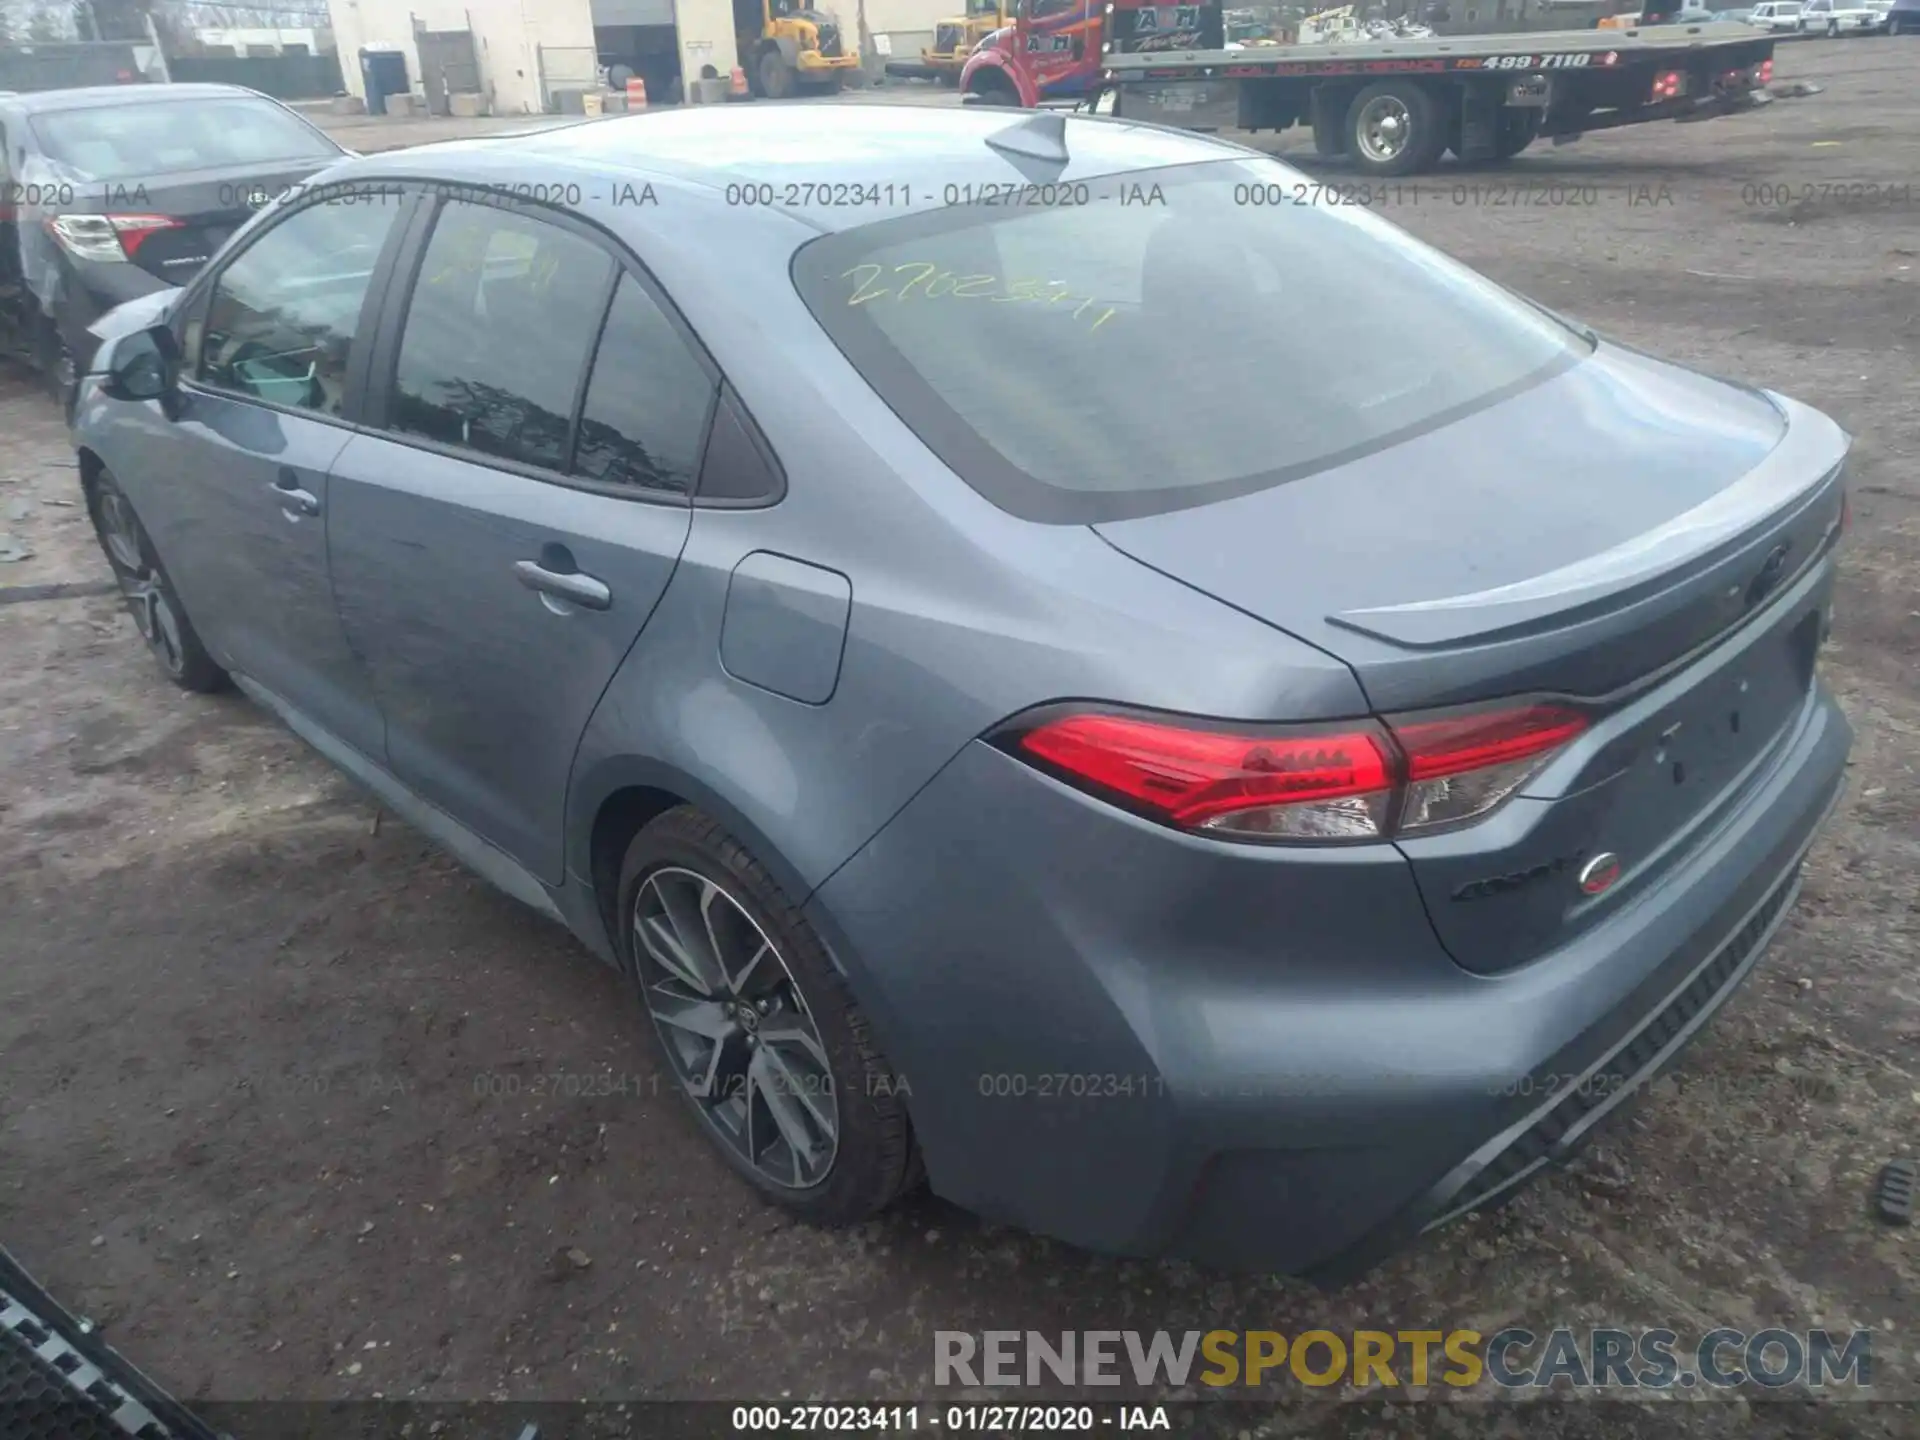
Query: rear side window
x: 139, y: 138
x: 646, y: 409
x: 497, y: 335
x: 1220, y: 334
x: 283, y: 318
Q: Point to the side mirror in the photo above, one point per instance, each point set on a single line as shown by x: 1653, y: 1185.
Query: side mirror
x: 141, y: 366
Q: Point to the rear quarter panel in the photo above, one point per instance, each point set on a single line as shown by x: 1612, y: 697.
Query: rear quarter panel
x: 960, y: 616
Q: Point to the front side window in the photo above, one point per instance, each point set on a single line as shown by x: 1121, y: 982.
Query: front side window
x: 497, y: 334
x: 1222, y: 332
x: 283, y: 318
x: 645, y: 415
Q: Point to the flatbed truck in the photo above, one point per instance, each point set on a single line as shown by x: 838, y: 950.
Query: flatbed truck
x: 1391, y: 107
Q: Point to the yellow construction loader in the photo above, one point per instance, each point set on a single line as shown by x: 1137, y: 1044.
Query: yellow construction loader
x: 787, y: 47
x: 955, y: 36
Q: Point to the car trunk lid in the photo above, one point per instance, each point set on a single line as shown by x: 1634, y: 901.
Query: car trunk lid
x: 1585, y: 538
x: 206, y: 207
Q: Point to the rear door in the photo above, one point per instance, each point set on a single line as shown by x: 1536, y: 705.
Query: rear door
x: 507, y: 523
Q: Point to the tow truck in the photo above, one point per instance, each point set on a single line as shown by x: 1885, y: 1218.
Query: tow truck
x: 1390, y: 106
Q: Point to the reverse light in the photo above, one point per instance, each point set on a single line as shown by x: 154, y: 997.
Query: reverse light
x: 1462, y: 767
x: 106, y: 237
x: 1354, y: 781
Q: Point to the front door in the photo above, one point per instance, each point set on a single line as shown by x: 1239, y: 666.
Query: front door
x: 501, y: 538
x: 232, y: 483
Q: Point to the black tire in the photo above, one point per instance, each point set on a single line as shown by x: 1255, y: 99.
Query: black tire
x: 149, y: 593
x: 1518, y: 130
x: 875, y: 1160
x: 776, y: 76
x: 993, y: 88
x: 1407, y: 104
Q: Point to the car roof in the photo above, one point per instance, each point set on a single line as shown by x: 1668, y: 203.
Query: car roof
x: 817, y: 158
x: 87, y: 97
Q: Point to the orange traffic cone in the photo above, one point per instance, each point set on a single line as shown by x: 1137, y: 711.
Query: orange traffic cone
x: 636, y: 93
x: 737, y: 85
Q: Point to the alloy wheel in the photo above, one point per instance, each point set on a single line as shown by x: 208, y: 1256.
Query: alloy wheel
x: 1385, y: 125
x: 738, y: 1034
x: 145, y: 592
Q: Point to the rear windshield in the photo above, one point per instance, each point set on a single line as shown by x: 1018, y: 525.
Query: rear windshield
x: 1224, y: 330
x: 127, y: 140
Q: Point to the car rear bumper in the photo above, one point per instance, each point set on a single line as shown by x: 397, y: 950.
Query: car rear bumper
x: 91, y: 290
x: 1148, y: 1043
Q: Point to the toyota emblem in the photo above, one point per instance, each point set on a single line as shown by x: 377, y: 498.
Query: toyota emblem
x: 1599, y: 873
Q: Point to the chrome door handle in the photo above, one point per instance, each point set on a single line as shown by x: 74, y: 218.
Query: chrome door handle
x: 572, y: 586
x: 294, y: 500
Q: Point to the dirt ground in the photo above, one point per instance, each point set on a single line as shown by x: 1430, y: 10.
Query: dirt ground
x: 249, y: 1042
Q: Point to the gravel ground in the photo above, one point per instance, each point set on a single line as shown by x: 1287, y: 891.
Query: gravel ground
x: 250, y: 1041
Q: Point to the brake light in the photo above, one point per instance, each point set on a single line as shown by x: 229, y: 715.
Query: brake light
x: 1765, y: 73
x: 1357, y: 780
x: 1300, y: 784
x: 107, y: 237
x: 1668, y: 84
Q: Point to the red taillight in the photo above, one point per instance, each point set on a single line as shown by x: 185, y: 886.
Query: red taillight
x: 1355, y: 781
x: 1326, y: 783
x: 105, y: 238
x: 134, y: 229
x: 1765, y: 73
x: 1669, y: 84
x: 1437, y: 748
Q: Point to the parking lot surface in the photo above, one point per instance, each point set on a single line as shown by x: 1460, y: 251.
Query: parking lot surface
x: 297, y: 1108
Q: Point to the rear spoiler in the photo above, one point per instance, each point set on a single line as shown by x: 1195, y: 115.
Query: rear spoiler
x: 1812, y: 448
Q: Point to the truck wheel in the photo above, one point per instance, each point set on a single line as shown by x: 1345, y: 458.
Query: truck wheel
x: 1518, y: 130
x: 993, y: 88
x: 1393, y: 128
x: 776, y: 79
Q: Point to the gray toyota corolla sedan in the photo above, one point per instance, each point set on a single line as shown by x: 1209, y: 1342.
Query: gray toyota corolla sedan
x: 1052, y: 659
